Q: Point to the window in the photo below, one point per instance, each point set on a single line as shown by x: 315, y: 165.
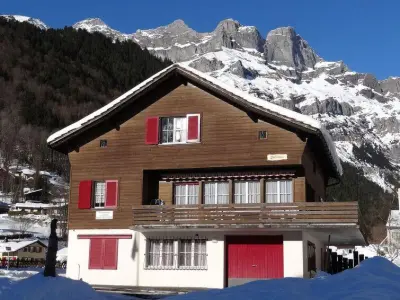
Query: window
x: 160, y: 253
x: 278, y: 191
x: 216, y: 193
x: 186, y: 193
x: 99, y: 193
x: 247, y: 192
x: 173, y: 130
x: 191, y: 254
x: 25, y: 249
x: 103, y: 253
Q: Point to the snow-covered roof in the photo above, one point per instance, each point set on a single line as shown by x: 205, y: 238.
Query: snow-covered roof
x: 256, y: 103
x: 15, y: 246
x: 36, y: 205
x: 31, y: 192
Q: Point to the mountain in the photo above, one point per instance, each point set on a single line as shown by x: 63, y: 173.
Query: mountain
x: 38, y: 23
x: 97, y: 25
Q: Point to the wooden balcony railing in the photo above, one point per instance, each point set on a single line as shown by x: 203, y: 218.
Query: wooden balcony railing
x: 282, y: 214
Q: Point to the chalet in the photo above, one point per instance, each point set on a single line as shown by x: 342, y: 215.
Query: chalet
x: 33, y: 249
x: 186, y: 182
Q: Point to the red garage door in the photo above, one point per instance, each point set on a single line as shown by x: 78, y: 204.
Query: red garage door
x: 254, y: 257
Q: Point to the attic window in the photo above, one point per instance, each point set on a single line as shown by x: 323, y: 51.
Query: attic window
x: 103, y: 143
x: 262, y: 135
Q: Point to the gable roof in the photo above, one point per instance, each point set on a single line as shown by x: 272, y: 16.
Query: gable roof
x: 259, y: 106
x: 15, y: 245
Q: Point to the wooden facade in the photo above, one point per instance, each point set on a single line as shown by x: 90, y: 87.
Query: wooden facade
x: 114, y: 147
x: 229, y: 139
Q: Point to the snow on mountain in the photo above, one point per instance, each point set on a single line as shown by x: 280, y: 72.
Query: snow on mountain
x: 97, y: 25
x: 36, y: 22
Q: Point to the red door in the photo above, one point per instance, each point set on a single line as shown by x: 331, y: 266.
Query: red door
x: 254, y: 257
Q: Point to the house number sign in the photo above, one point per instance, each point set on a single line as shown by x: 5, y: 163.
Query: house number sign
x: 275, y: 157
x: 104, y: 215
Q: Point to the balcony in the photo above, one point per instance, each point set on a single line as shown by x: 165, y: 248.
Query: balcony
x: 261, y: 215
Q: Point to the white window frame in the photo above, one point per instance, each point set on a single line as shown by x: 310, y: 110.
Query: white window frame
x: 160, y: 264
x: 215, y: 187
x: 246, y: 192
x: 176, y: 246
x: 187, y: 193
x: 184, y: 131
x: 99, y: 198
x: 192, y: 254
x: 175, y: 130
x: 278, y: 190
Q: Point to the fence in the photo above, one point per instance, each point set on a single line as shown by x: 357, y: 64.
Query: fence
x: 27, y: 263
x: 338, y: 263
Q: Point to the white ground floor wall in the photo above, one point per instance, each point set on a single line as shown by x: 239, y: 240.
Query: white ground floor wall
x: 131, y: 266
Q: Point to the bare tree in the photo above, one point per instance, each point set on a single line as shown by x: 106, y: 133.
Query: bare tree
x: 23, y: 224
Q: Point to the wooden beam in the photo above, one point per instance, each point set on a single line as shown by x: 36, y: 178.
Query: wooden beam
x: 231, y: 191
x: 262, y: 190
x: 252, y: 116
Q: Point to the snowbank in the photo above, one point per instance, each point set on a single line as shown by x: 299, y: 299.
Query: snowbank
x: 375, y: 278
x: 62, y: 254
x: 39, y: 287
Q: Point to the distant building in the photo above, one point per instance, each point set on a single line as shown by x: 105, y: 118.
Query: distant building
x: 23, y: 249
x: 42, y: 208
x: 37, y: 196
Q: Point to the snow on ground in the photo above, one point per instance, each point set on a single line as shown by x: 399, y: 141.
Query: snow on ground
x: 39, y: 225
x: 29, y: 284
x: 62, y: 254
x: 375, y: 278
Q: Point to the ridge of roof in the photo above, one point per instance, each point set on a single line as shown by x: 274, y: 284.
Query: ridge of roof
x: 292, y: 116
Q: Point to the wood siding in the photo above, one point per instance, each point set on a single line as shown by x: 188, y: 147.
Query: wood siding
x: 229, y: 138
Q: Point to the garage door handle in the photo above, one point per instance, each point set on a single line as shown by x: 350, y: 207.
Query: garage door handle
x: 254, y: 265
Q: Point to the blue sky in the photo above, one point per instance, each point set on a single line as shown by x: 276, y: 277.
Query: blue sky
x: 365, y: 34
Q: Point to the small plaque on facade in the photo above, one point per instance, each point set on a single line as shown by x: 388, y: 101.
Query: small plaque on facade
x: 274, y: 157
x: 262, y: 135
x: 103, y: 143
x: 104, y: 215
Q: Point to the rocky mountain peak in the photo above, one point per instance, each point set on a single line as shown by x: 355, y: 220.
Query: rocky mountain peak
x: 178, y: 25
x: 228, y: 25
x: 285, y: 47
x: 90, y: 22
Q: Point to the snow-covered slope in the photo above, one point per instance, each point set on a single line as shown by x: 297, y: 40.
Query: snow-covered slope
x: 97, y: 25
x: 36, y: 22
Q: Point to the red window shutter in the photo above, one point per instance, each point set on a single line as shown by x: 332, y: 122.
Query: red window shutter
x: 85, y: 194
x: 110, y: 254
x: 111, y: 193
x: 193, y: 128
x: 95, y: 254
x: 152, y: 131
